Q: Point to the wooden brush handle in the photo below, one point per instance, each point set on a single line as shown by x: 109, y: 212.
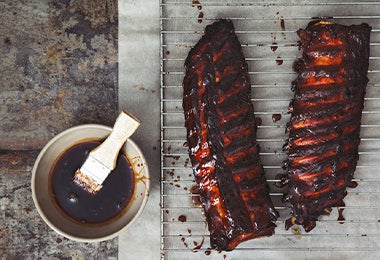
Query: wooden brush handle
x: 107, y: 152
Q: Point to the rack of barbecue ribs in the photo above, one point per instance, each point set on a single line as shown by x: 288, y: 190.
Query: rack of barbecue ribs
x: 325, y: 118
x: 221, y: 134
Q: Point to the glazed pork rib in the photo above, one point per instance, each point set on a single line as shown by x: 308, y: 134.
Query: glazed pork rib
x: 325, y: 118
x: 221, y: 133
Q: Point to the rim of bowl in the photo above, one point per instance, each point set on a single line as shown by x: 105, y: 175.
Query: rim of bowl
x: 58, y: 230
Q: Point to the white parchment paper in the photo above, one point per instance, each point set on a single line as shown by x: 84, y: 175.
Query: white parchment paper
x: 139, y: 93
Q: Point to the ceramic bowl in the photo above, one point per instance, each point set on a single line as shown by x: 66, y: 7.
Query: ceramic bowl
x: 47, y: 207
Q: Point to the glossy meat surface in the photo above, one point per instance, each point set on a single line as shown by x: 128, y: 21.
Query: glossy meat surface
x: 221, y: 133
x: 325, y: 118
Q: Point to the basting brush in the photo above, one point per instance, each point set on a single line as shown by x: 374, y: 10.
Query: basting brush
x: 102, y: 159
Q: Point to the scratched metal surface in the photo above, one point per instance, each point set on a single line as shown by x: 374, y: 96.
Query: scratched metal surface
x: 58, y: 67
x: 267, y: 31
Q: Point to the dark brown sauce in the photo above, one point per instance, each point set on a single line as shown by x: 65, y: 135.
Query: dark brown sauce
x: 282, y: 22
x: 199, y: 246
x: 195, y: 2
x: 276, y: 117
x: 186, y: 162
x: 279, y: 61
x: 183, y: 239
x: 274, y: 46
x: 341, y: 218
x: 352, y: 184
x: 80, y: 205
x: 182, y: 218
x: 200, y: 17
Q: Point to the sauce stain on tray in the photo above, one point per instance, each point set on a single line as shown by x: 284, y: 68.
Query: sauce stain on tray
x: 276, y: 117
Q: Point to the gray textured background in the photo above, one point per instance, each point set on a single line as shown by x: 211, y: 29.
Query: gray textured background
x: 58, y: 68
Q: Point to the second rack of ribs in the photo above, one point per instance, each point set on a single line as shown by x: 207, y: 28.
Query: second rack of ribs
x: 325, y: 118
x: 221, y: 133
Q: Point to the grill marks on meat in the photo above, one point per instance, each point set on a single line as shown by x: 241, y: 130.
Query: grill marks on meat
x: 221, y: 133
x: 325, y: 118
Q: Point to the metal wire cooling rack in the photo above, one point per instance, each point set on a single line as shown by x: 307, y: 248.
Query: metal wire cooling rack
x: 267, y: 32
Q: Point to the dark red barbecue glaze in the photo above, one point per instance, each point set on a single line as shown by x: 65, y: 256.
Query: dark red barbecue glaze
x: 325, y: 118
x: 221, y: 133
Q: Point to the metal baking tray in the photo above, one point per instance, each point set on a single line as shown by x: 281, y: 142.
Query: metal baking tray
x: 267, y: 32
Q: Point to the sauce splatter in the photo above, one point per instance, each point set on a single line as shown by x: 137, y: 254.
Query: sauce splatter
x: 183, y: 239
x: 282, y: 22
x: 199, y: 246
x: 200, y: 17
x: 279, y: 61
x: 186, y: 162
x: 274, y: 46
x: 182, y: 218
x: 198, y: 5
x: 352, y: 184
x: 276, y: 117
x: 341, y: 218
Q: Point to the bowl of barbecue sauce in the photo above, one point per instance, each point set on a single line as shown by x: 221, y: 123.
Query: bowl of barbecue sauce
x: 71, y: 210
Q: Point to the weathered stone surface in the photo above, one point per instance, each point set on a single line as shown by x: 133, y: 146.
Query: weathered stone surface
x: 58, y: 67
x: 23, y: 233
